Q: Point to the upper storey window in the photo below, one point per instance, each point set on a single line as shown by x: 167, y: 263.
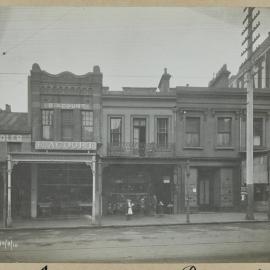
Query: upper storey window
x: 224, y: 131
x: 162, y: 131
x: 192, y: 136
x: 47, y: 124
x: 116, y: 131
x: 67, y: 125
x: 258, y: 131
x: 87, y: 125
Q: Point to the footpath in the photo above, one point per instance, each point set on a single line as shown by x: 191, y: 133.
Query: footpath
x: 136, y: 221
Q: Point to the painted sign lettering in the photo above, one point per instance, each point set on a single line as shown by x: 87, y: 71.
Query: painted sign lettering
x: 11, y: 138
x: 65, y: 106
x: 58, y: 145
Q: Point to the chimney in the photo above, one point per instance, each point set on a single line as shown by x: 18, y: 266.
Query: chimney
x: 8, y: 108
x: 164, y: 83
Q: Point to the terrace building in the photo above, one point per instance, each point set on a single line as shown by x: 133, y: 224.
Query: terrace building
x: 83, y: 149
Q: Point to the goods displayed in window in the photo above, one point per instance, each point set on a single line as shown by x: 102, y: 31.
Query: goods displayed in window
x: 64, y: 189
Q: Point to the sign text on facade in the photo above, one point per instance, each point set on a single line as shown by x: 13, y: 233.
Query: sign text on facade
x: 11, y: 138
x: 65, y: 106
x: 56, y: 145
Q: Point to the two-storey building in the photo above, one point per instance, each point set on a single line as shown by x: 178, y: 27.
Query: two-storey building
x: 83, y: 149
x: 15, y: 136
x: 57, y: 173
x: 138, y: 147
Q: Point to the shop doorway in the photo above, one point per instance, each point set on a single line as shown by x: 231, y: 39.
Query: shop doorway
x: 139, y: 135
x: 205, y: 189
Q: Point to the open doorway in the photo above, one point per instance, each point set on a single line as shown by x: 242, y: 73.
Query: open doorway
x: 206, y: 189
x: 139, y: 135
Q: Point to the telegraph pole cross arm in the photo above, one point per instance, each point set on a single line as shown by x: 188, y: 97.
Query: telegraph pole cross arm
x: 249, y: 30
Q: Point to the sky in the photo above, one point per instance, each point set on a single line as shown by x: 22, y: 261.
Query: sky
x: 132, y: 46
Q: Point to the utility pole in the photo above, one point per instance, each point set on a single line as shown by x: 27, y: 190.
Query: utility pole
x: 249, y: 20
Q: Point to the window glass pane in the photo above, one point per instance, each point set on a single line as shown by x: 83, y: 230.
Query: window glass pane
x: 224, y: 124
x: 67, y: 125
x: 224, y: 131
x: 115, y: 124
x: 162, y: 131
x: 258, y: 126
x: 115, y: 131
x: 47, y: 132
x: 87, y: 133
x: 47, y: 123
x: 87, y: 125
x: 139, y: 122
x: 192, y: 136
x: 192, y: 124
x: 67, y: 117
x: 223, y: 139
x: 192, y: 139
x: 67, y: 133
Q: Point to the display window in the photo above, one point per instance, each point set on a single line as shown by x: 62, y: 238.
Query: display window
x: 64, y: 189
x: 261, y: 192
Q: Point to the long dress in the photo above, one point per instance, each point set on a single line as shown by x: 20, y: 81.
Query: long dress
x: 130, y: 212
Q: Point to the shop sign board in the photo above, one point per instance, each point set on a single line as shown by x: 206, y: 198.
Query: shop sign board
x: 59, y: 145
x: 11, y: 138
x: 65, y: 106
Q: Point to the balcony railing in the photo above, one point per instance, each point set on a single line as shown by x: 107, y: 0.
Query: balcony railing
x: 129, y: 149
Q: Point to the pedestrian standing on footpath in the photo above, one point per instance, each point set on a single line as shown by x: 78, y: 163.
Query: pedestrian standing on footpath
x: 129, y: 212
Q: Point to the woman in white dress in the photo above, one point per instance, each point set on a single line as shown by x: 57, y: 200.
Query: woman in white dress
x: 129, y: 209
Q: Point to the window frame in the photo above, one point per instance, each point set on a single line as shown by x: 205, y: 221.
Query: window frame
x: 84, y: 125
x: 199, y: 131
x: 230, y: 145
x: 110, y: 118
x: 262, y: 144
x: 158, y: 132
x: 50, y: 124
x: 71, y: 124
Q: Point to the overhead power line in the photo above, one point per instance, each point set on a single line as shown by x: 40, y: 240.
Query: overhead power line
x: 35, y: 33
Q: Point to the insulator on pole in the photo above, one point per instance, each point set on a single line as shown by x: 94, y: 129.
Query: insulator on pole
x: 256, y: 38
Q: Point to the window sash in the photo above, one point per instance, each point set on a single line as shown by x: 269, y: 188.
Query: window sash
x: 47, y: 124
x: 224, y: 125
x: 192, y: 125
x: 87, y: 125
x: 87, y: 118
x: 192, y: 131
x: 47, y: 132
x: 116, y: 131
x: 162, y: 131
x: 258, y: 131
x: 192, y: 139
x: 224, y: 133
x: 47, y: 117
x: 224, y: 139
x: 67, y: 125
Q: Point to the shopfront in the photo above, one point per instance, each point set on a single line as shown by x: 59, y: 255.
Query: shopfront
x: 145, y: 185
x: 50, y: 184
x: 64, y: 189
x: 211, y: 188
x: 261, y: 181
